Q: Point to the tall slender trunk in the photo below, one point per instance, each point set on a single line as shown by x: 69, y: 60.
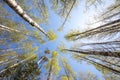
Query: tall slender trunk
x: 16, y: 64
x: 65, y: 70
x: 62, y: 26
x: 102, y: 53
x: 100, y: 27
x: 15, y: 30
x: 101, y: 65
x: 12, y: 49
x: 102, y: 43
x: 108, y: 17
x: 105, y: 61
x: 17, y: 8
x: 111, y: 9
x: 6, y: 61
x: 110, y: 27
x: 50, y: 72
x: 7, y: 28
x: 68, y: 71
x: 41, y: 59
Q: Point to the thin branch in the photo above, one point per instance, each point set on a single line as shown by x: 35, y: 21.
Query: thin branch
x: 101, y: 65
x: 66, y: 18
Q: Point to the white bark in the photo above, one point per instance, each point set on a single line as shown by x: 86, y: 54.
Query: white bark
x: 42, y: 58
x: 13, y: 4
x: 2, y: 62
x: 2, y: 27
x: 7, y: 28
x: 16, y: 64
x: 12, y: 49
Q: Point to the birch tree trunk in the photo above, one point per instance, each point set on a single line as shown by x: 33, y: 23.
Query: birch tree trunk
x: 102, y: 53
x: 7, y: 28
x: 65, y: 70
x: 50, y: 73
x: 17, y: 8
x: 41, y: 59
x: 12, y: 49
x: 101, y: 65
x: 18, y: 63
x: 62, y: 26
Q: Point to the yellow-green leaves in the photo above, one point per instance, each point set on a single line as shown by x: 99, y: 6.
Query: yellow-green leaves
x: 54, y: 63
x: 7, y: 55
x: 68, y: 69
x: 88, y: 76
x: 64, y: 78
x: 38, y: 36
x: 51, y: 35
x: 79, y: 55
x: 72, y: 35
x: 54, y: 54
x: 61, y: 47
x: 32, y: 56
x: 55, y: 66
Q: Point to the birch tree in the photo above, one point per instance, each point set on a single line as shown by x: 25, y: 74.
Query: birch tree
x: 97, y: 64
x: 13, y: 4
x: 52, y: 66
x: 91, y: 52
x: 109, y: 27
x: 70, y: 74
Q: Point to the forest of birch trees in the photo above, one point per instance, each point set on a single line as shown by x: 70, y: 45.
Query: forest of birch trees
x: 30, y: 49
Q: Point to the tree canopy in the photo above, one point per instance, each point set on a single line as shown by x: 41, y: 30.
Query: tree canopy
x: 59, y: 39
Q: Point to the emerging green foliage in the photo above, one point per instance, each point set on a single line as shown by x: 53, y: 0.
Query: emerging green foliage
x: 72, y: 35
x: 70, y: 74
x: 61, y: 47
x: 51, y: 35
x: 54, y: 62
x: 64, y: 78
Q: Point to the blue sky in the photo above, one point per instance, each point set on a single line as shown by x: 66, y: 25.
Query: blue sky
x: 77, y: 21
